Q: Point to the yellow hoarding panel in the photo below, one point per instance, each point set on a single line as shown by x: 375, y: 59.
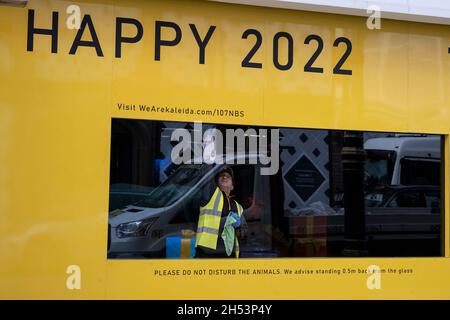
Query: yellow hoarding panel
x: 154, y: 60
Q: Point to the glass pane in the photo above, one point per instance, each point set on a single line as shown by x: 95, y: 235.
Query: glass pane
x: 167, y: 195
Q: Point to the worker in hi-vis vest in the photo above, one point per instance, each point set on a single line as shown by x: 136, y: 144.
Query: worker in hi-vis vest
x: 220, y: 217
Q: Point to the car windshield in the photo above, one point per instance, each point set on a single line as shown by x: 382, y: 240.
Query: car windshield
x: 178, y: 184
x: 379, y: 167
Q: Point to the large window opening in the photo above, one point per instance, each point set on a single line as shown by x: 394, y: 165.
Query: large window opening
x: 156, y: 205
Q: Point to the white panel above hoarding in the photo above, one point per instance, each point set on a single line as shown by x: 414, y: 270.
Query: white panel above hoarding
x: 428, y: 11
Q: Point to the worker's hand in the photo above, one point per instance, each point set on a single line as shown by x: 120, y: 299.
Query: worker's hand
x: 236, y: 224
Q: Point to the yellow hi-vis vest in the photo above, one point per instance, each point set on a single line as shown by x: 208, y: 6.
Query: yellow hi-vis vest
x: 209, y: 222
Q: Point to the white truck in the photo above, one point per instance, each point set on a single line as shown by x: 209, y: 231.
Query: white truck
x: 403, y: 160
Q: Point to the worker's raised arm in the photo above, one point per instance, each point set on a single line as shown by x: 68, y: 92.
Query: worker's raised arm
x: 207, y: 192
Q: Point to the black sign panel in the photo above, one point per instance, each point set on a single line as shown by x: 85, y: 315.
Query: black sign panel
x: 304, y: 178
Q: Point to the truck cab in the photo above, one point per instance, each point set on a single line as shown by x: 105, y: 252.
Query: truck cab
x: 403, y: 160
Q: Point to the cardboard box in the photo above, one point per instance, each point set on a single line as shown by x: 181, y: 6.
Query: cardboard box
x: 179, y: 247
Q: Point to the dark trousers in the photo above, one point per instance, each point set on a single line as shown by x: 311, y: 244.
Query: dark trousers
x: 206, y: 253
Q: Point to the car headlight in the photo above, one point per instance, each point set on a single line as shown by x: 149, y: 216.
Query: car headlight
x: 135, y: 228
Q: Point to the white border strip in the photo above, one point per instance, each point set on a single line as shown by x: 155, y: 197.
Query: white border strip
x: 427, y: 11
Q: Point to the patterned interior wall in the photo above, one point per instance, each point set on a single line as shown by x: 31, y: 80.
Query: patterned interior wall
x: 305, y: 163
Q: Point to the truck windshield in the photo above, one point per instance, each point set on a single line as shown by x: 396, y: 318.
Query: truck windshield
x: 379, y: 167
x: 178, y: 184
